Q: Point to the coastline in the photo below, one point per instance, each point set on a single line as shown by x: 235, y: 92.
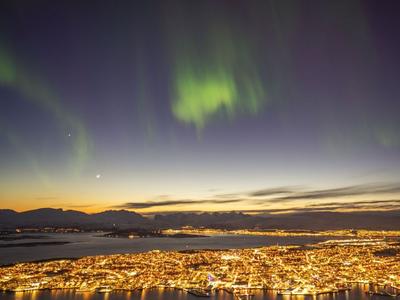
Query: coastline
x: 203, y: 293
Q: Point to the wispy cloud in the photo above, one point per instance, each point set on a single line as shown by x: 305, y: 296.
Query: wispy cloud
x: 373, y: 205
x: 260, y: 193
x: 294, y: 194
x: 285, y: 195
x: 272, y: 191
x: 359, y: 203
x: 149, y: 204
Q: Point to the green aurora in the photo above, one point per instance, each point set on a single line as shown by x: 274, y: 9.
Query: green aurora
x: 34, y: 89
x: 215, y: 75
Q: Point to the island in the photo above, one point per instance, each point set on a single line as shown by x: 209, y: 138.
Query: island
x: 145, y: 233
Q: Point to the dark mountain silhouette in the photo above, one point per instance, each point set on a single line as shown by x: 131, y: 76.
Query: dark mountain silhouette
x: 389, y: 220
x: 51, y: 216
x: 119, y: 217
x: 58, y: 217
x: 7, y: 216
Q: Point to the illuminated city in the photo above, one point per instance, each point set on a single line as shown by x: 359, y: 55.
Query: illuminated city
x: 291, y: 233
x: 309, y: 270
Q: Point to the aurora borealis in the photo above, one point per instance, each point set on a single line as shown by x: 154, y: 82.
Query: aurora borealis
x: 214, y: 74
x: 194, y: 105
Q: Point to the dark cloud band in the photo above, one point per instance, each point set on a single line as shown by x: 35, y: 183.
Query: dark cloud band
x: 142, y: 205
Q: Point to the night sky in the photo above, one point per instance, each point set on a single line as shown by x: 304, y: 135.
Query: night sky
x: 261, y: 106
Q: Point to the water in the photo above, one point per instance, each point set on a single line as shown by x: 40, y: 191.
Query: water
x: 86, y: 244
x: 357, y: 293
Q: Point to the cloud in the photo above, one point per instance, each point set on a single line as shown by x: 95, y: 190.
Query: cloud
x: 149, y: 204
x: 359, y: 205
x: 294, y: 193
x: 355, y: 190
x: 373, y: 202
x: 272, y: 191
x: 260, y: 193
x: 373, y: 205
x: 290, y: 194
x: 230, y: 195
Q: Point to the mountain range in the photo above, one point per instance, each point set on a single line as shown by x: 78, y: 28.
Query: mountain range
x: 43, y: 217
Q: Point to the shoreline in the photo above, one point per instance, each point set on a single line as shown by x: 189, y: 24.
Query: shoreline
x: 34, y: 244
x: 204, y: 292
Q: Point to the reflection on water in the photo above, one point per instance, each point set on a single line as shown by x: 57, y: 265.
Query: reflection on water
x: 357, y: 293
